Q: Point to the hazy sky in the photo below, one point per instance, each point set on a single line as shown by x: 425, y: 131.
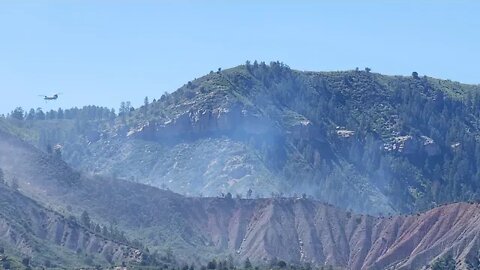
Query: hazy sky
x: 103, y: 52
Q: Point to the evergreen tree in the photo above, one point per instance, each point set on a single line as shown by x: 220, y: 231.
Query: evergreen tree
x: 2, y: 177
x: 85, y: 219
x: 57, y: 152
x: 49, y: 148
x: 39, y: 114
x: 31, y: 115
x: 444, y: 263
x: 18, y: 113
x: 128, y: 108
x: 105, y: 231
x: 14, y: 184
x: 247, y: 264
x: 212, y: 264
x: 60, y: 114
x: 145, y: 106
x: 98, y: 229
x: 123, y: 111
x: 26, y: 262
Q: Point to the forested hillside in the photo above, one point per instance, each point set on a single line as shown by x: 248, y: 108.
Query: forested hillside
x: 356, y: 139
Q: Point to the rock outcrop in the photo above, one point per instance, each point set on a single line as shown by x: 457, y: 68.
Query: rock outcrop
x: 430, y: 146
x: 411, y: 145
x: 202, y: 122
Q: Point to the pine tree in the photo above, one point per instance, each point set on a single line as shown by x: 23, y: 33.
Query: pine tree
x: 105, y: 231
x: 248, y: 264
x: 31, y: 115
x: 212, y: 264
x: 145, y: 106
x: 123, y: 111
x: 57, y: 152
x: 128, y: 108
x: 98, y: 229
x: 18, y: 113
x: 2, y: 177
x: 85, y: 219
x: 60, y: 114
x: 14, y: 184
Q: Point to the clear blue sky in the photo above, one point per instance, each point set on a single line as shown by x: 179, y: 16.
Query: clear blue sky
x: 103, y: 52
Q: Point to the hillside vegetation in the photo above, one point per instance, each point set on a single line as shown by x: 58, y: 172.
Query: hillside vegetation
x: 356, y: 139
x: 152, y: 228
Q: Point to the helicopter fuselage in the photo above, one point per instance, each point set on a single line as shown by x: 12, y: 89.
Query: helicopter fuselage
x: 54, y: 97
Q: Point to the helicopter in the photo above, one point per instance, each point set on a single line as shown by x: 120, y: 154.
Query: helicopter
x: 47, y: 98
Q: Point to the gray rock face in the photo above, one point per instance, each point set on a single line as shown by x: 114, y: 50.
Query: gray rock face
x: 205, y: 122
x: 345, y: 133
x: 404, y: 144
x: 430, y: 146
x: 411, y: 145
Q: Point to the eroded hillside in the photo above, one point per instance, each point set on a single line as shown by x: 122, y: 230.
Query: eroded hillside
x: 291, y: 229
x: 29, y: 230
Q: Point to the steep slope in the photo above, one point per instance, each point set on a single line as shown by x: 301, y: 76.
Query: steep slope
x: 29, y: 230
x: 144, y: 212
x: 299, y: 230
x: 197, y: 229
x: 356, y: 139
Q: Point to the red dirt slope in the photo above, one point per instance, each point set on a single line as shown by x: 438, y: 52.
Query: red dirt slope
x: 303, y: 230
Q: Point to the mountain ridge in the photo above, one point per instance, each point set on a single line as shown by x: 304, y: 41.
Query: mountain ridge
x: 356, y: 139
